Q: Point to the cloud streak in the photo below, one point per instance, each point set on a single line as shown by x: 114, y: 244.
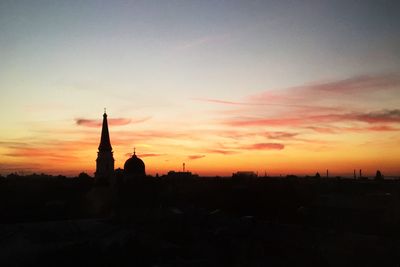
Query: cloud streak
x: 375, y: 117
x: 306, y: 96
x: 383, y: 116
x: 146, y: 155
x: 30, y: 152
x: 358, y: 85
x: 265, y: 146
x: 339, y: 130
x: 194, y: 157
x: 111, y: 121
x: 222, y: 151
x: 280, y: 135
x: 321, y: 105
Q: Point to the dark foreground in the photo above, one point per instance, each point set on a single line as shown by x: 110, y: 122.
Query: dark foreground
x: 181, y: 242
x: 200, y: 222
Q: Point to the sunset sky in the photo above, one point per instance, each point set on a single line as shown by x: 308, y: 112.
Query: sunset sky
x: 283, y: 87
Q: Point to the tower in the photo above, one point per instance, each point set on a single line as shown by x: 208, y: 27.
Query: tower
x: 105, y: 159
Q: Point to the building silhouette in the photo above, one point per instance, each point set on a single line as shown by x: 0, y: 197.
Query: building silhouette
x: 134, y: 167
x: 244, y: 175
x: 105, y: 160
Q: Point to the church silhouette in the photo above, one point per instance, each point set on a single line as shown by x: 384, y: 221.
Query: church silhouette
x: 134, y: 167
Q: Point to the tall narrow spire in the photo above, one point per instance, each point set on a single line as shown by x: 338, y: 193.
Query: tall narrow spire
x: 105, y: 159
x: 105, y: 144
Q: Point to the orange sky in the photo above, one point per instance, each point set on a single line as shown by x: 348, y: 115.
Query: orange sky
x: 278, y: 87
x: 268, y: 132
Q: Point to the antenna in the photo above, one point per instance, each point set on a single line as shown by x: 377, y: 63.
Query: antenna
x: 105, y: 110
x: 183, y: 167
x: 134, y: 150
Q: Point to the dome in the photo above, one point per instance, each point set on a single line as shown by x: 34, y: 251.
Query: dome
x: 134, y: 166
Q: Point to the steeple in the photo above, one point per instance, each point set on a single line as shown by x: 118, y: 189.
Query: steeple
x: 105, y: 159
x: 105, y: 144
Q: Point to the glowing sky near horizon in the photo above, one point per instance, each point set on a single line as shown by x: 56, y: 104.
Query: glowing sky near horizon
x: 268, y: 86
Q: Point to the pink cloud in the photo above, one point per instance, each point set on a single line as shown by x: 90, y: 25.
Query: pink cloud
x: 222, y: 151
x: 385, y: 116
x: 280, y: 135
x: 363, y: 83
x: 265, y: 146
x: 383, y: 128
x: 309, y: 104
x: 318, y: 91
x: 193, y: 157
x: 264, y: 122
x: 354, y: 129
x: 324, y: 107
x: 255, y: 101
x: 33, y: 152
x: 217, y: 101
x: 323, y: 130
x: 237, y: 134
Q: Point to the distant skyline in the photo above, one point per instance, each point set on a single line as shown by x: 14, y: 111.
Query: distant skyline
x: 283, y: 87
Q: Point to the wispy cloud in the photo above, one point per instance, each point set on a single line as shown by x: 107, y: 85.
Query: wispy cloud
x: 358, y: 84
x: 222, y: 151
x: 310, y: 93
x: 382, y: 116
x: 375, y: 117
x: 382, y: 128
x: 255, y: 102
x: 225, y: 102
x: 323, y: 102
x: 98, y: 123
x: 144, y: 155
x: 239, y: 135
x: 265, y: 146
x: 248, y: 121
x: 302, y: 116
x: 280, y: 135
x: 111, y: 121
x: 193, y: 157
x: 31, y: 152
x: 353, y: 129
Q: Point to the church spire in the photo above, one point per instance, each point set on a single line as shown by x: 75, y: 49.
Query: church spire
x: 105, y: 144
x: 105, y: 159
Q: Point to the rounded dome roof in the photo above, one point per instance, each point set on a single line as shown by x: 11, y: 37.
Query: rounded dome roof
x: 134, y: 165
